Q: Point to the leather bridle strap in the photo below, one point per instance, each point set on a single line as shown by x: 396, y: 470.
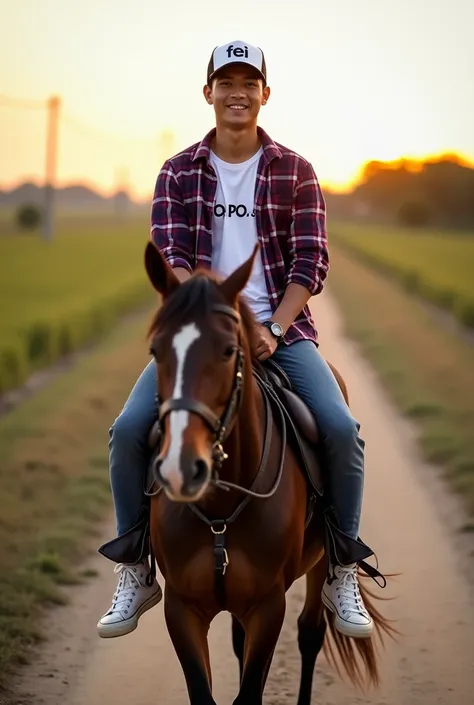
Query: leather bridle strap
x: 191, y: 405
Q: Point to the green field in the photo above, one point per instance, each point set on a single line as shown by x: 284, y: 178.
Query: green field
x: 438, y: 266
x: 59, y: 296
x: 427, y: 368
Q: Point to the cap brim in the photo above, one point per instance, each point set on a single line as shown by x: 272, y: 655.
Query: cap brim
x: 236, y: 63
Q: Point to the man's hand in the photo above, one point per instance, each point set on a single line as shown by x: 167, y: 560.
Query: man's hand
x: 265, y: 343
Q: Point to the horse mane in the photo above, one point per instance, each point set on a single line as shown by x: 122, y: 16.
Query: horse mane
x: 194, y: 299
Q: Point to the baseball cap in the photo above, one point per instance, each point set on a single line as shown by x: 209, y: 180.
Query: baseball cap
x: 236, y: 52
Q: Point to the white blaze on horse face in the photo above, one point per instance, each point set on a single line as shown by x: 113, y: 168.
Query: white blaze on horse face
x: 178, y: 420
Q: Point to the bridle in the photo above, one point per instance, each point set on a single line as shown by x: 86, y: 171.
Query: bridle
x: 220, y: 427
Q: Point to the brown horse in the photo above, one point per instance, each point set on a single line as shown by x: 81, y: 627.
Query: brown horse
x: 238, y: 521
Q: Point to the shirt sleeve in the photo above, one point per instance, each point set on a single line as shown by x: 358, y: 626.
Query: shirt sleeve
x: 170, y: 229
x: 308, y: 244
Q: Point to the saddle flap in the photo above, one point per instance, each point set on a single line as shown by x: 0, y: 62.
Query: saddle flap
x: 310, y: 459
x: 301, y: 415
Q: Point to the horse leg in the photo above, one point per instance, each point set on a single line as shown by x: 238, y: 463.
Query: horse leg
x: 311, y: 630
x: 238, y: 640
x: 262, y: 625
x: 188, y: 631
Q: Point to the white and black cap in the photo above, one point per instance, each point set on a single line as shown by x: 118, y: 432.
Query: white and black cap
x: 236, y: 52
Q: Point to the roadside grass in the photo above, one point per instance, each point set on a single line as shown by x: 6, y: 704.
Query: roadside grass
x: 54, y: 484
x: 428, y: 370
x: 434, y: 264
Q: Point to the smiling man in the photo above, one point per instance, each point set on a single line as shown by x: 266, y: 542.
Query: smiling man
x: 213, y: 202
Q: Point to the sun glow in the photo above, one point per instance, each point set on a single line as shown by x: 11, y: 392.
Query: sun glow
x: 350, y: 83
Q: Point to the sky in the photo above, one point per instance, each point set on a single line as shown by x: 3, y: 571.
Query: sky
x: 351, y: 81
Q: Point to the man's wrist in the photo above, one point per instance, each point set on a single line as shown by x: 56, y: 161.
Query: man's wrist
x: 276, y: 329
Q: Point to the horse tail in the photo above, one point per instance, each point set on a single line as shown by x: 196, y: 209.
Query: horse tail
x: 358, y: 658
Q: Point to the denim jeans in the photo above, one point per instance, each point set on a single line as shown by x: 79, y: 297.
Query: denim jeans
x: 312, y: 379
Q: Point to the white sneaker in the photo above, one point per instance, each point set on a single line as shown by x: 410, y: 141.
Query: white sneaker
x: 131, y: 599
x: 342, y: 596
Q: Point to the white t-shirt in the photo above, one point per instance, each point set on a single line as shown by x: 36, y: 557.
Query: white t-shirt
x: 234, y: 228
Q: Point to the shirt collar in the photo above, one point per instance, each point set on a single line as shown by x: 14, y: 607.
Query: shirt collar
x: 270, y: 149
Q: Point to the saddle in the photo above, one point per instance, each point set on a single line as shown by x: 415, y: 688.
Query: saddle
x: 301, y: 427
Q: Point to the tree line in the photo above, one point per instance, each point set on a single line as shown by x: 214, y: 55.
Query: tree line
x: 438, y: 192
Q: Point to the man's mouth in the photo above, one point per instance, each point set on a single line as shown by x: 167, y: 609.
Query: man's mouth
x: 237, y: 106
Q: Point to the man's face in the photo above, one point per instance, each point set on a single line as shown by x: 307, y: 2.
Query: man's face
x: 237, y: 94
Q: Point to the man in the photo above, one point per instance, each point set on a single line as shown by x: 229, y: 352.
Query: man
x: 212, y: 203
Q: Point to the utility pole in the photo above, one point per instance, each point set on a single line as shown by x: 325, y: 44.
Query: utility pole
x: 122, y: 192
x: 51, y: 163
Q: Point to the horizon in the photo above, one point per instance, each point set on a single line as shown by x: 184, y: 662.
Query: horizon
x: 143, y: 199
x: 349, y: 84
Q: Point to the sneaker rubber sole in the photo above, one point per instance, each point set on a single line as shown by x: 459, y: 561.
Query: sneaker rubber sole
x: 356, y: 631
x: 126, y: 626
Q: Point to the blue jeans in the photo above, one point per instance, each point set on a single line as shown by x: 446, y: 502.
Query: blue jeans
x: 314, y: 382
x: 312, y: 379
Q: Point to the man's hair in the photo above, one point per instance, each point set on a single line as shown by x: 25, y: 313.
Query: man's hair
x: 214, y: 78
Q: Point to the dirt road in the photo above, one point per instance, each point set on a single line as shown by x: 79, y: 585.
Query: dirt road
x: 403, y: 520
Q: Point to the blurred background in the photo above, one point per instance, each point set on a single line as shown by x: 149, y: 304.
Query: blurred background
x: 379, y: 96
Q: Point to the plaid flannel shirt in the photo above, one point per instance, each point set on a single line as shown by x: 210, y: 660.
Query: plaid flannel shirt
x: 290, y: 216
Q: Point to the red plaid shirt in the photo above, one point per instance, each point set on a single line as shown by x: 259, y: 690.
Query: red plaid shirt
x: 290, y: 215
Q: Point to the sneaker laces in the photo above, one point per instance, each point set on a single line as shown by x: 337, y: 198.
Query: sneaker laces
x: 126, y: 589
x: 347, y: 589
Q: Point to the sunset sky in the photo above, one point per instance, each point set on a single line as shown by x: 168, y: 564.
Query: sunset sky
x: 351, y: 81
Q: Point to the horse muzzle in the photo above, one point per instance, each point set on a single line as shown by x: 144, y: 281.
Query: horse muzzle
x: 183, y: 481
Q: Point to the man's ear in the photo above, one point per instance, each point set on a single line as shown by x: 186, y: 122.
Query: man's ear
x: 207, y: 93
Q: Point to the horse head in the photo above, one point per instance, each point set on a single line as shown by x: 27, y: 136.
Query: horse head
x: 200, y: 340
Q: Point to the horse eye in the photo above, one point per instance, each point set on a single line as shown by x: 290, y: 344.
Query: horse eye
x: 155, y: 353
x: 229, y: 352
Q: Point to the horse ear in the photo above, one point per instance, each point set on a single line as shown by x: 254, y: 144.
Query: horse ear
x: 159, y: 272
x: 236, y: 282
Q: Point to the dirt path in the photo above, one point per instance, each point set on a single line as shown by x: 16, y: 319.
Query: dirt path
x: 403, y: 521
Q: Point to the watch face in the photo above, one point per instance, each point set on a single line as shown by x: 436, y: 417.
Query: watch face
x: 277, y: 329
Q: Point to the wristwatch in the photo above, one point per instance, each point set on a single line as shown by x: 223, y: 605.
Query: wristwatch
x: 275, y: 329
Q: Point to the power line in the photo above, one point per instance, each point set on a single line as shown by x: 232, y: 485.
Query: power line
x: 7, y: 102
x: 87, y: 131
x: 73, y: 123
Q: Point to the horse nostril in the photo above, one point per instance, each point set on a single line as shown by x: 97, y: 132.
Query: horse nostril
x: 200, y: 470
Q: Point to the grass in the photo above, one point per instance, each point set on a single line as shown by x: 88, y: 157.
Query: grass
x: 54, y: 485
x: 437, y: 265
x: 58, y: 296
x: 428, y: 370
